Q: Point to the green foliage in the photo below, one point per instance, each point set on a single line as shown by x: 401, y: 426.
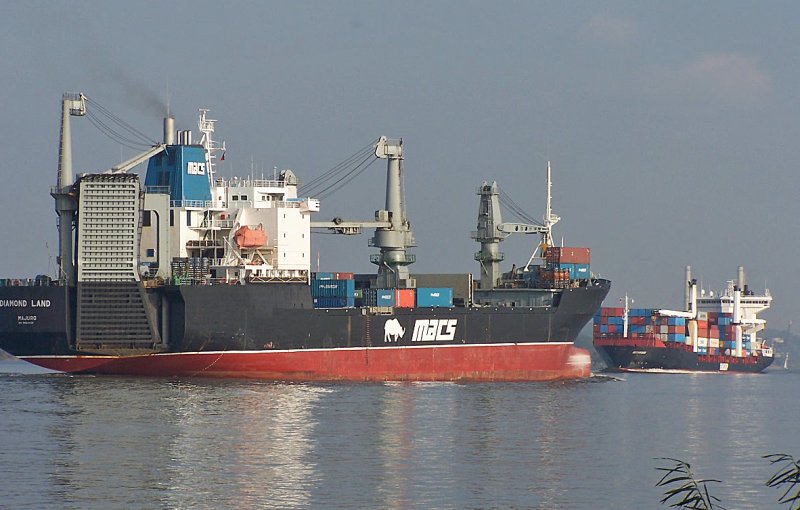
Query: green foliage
x: 788, y: 476
x: 684, y: 491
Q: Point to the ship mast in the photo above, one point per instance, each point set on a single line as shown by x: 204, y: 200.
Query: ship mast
x: 211, y: 146
x: 625, y: 314
x: 550, y: 219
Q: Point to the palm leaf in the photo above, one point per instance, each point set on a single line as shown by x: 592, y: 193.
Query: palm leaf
x: 683, y: 489
x: 788, y: 477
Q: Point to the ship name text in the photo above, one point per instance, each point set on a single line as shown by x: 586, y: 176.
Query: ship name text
x: 23, y: 303
x: 429, y: 330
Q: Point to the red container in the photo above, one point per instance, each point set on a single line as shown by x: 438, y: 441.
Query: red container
x: 567, y: 255
x: 404, y: 298
x: 344, y: 276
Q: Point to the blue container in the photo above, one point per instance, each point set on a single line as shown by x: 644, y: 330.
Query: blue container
x: 333, y: 288
x: 604, y: 328
x: 580, y: 272
x: 385, y: 297
x: 334, y: 302
x: 434, y: 297
x: 323, y: 276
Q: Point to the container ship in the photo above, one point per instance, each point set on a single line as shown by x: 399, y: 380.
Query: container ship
x: 184, y: 273
x: 713, y: 334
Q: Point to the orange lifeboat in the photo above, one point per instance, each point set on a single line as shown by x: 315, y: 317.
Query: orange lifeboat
x: 247, y: 237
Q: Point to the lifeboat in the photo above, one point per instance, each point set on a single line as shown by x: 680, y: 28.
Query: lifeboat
x: 247, y: 237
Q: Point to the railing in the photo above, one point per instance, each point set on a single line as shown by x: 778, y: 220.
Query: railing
x: 217, y: 224
x: 204, y: 243
x: 190, y: 203
x: 498, y: 257
x: 408, y: 258
x: 251, y: 183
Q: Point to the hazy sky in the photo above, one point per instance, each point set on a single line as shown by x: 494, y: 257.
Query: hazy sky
x: 672, y: 127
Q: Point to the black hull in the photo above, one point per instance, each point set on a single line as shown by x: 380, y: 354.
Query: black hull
x: 626, y: 358
x: 281, y: 317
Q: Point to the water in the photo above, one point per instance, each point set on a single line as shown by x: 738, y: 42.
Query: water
x: 115, y: 442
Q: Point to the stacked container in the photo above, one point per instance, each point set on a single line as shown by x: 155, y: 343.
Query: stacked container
x: 330, y: 291
x: 554, y: 277
x: 190, y: 269
x: 642, y: 322
x: 715, y: 330
x: 573, y: 260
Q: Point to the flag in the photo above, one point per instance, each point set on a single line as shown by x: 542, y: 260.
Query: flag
x: 223, y: 157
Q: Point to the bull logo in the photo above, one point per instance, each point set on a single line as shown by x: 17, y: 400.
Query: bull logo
x: 392, y: 331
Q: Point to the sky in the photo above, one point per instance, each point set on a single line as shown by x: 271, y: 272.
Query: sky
x: 671, y: 127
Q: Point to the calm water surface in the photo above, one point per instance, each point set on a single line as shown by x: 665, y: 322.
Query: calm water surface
x: 115, y: 442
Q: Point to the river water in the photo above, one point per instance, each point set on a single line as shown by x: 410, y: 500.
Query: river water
x: 116, y: 442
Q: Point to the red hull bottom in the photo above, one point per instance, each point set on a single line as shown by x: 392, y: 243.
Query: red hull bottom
x: 497, y: 362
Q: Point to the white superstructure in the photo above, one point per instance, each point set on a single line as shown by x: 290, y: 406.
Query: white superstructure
x: 251, y: 230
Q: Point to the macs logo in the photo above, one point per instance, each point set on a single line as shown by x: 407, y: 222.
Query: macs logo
x: 425, y: 330
x: 195, y: 168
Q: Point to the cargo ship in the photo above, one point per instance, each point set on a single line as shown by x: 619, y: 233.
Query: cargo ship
x: 715, y: 333
x: 184, y: 273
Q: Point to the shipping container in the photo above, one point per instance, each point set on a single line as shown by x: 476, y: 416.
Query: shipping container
x: 567, y: 255
x: 379, y: 297
x: 332, y: 288
x: 323, y: 276
x: 344, y: 276
x: 384, y: 297
x: 437, y: 297
x: 404, y: 298
x: 334, y: 302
